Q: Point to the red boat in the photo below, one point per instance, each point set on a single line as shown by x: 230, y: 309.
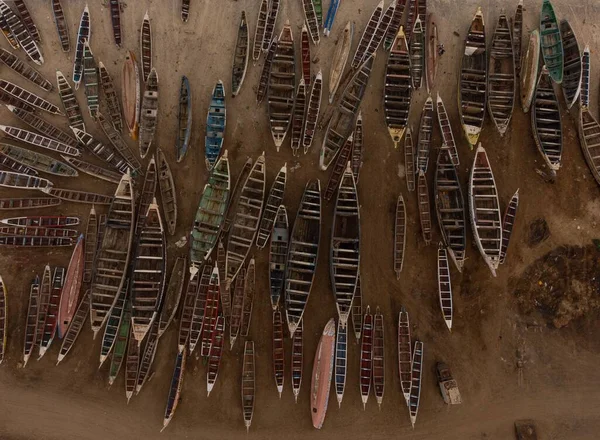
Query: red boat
x: 366, y: 357
x: 321, y: 377
x: 70, y: 292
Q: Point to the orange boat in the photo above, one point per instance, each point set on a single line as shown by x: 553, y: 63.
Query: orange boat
x: 130, y: 89
x: 70, y: 292
x: 321, y: 377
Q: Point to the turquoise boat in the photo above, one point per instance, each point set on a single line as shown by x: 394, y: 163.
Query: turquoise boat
x: 551, y: 41
x: 215, y: 126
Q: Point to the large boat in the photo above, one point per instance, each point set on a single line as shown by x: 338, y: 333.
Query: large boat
x: 272, y: 206
x: 15, y: 91
x: 37, y: 161
x: 215, y: 126
x: 69, y: 102
x: 184, y: 119
x: 551, y: 42
x: 397, y: 91
x: 149, y: 114
x: 359, y: 55
x: 321, y: 375
x: 278, y: 351
x: 71, y: 287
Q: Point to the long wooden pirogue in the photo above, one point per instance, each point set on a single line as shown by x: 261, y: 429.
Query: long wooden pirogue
x: 83, y: 310
x: 40, y: 141
x: 132, y: 365
x: 357, y: 147
x: 225, y: 293
x: 444, y: 286
x: 417, y: 54
x: 571, y: 84
x: 34, y: 241
x: 8, y: 33
x: 91, y: 80
x: 278, y: 352
x: 215, y: 354
x: 168, y: 193
x: 424, y: 207
x: 120, y: 347
x: 41, y: 221
x: 399, y: 236
x: 397, y: 92
x: 240, y: 56
x: 215, y: 126
x: 546, y: 122
x: 149, y: 114
x: 90, y: 246
x: 411, y: 15
x: 357, y: 311
x: 28, y: 203
x: 122, y: 149
x: 508, y: 223
x: 10, y: 179
x: 270, y: 24
x: 331, y: 13
x: 42, y: 126
x: 278, y: 255
x: 105, y: 152
x: 5, y: 98
x: 404, y: 354
x: 69, y: 102
x: 446, y: 130
x: 305, y: 55
x: 110, y: 98
x: 13, y: 165
x: 3, y: 320
x: 409, y: 160
x: 115, y: 16
x: 32, y: 99
x: 94, y: 170
x: 248, y: 384
x: 366, y: 357
x: 113, y: 323
x: 340, y: 58
x: 359, y: 56
x: 237, y: 306
x: 32, y: 231
x: 211, y: 312
x: 321, y: 375
x: 26, y: 71
x: 20, y: 32
x: 147, y: 355
x: 551, y: 42
x: 303, y: 254
x: 530, y: 69
x: 431, y: 61
x: 584, y: 95
x: 380, y: 31
x: 425, y: 135
x: 175, y: 388
x: 187, y: 311
x: 297, y: 359
x: 37, y: 161
x: 84, y: 33
x: 259, y: 33
x: 265, y: 74
x: 62, y: 27
x: 147, y: 195
x: 589, y: 138
x: 311, y: 19
x: 341, y: 361
x: 172, y: 295
x: 298, y: 117
x: 197, y: 315
x: 378, y: 357
x: 43, y: 304
x: 184, y: 119
x: 146, y: 47
x: 394, y: 26
x: 31, y: 321
x: 312, y: 112
x: 415, y: 385
x: 185, y: 10
x: 272, y: 206
x: 517, y: 36
x: 130, y: 94
x: 249, y: 294
x: 78, y: 196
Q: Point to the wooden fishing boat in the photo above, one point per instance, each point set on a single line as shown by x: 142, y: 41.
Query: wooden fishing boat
x: 282, y: 82
x: 110, y: 97
x: 130, y: 94
x: 546, y: 122
x: 424, y: 207
x: 310, y: 17
x: 444, y: 286
x: 93, y: 170
x: 41, y: 222
x: 8, y: 33
x: 42, y: 126
x: 378, y: 357
x: 20, y: 32
x: 450, y: 209
x: 298, y: 116
x: 409, y: 160
x: 318, y: 5
x: 33, y: 231
x: 530, y: 70
x: 270, y: 24
x: 146, y: 47
x: 115, y: 16
x: 584, y: 95
x: 3, y: 320
x: 240, y: 56
x: 417, y: 54
x: 211, y: 312
x: 7, y: 99
x: 89, y: 247
x: 431, y: 62
x: 147, y: 195
x: 305, y: 52
x: 184, y: 118
x: 551, y: 42
x: 27, y: 72
x: 91, y: 80
x: 380, y: 31
x: 172, y: 295
x: 34, y: 241
x: 168, y: 194
x: 425, y: 135
x: 185, y: 10
x: 272, y: 207
x: 62, y: 26
x: 78, y: 196
x: 366, y: 357
x: 248, y: 384
x: 83, y: 34
x: 265, y: 75
x: 472, y: 84
x: 278, y: 351
x: 259, y: 34
x: 33, y: 100
x: 121, y: 343
x: 10, y: 179
x: 421, y: 8
x: 197, y: 316
x: 501, y: 80
x: 104, y: 152
x: 589, y: 138
x: 75, y: 326
x: 571, y: 84
x: 341, y: 361
x: 331, y: 13
x: 215, y: 354
x: 394, y: 26
x: 340, y: 58
x: 15, y: 166
x: 149, y: 114
x: 32, y: 320
x: 215, y: 126
x: 411, y: 16
x: 303, y: 254
x: 113, y: 322
x: 278, y: 255
x: 37, y: 161
x: 42, y: 304
x: 147, y: 357
x: 187, y: 310
x: 397, y: 92
x: 246, y: 220
x: 297, y: 359
x: 415, y: 383
x: 112, y: 258
x: 448, y: 142
x: 359, y: 56
x: 312, y: 112
x: 210, y: 214
x: 176, y: 383
x: 37, y: 140
x: 69, y: 102
x: 132, y: 365
x: 249, y: 294
x: 508, y: 223
x: 357, y: 147
x: 121, y: 149
x: 344, y: 257
x: 321, y: 374
x: 357, y: 313
x: 517, y: 36
x: 225, y: 292
x: 28, y: 203
x: 51, y: 318
x: 399, y: 236
x: 404, y: 354
x: 485, y: 210
x: 237, y: 306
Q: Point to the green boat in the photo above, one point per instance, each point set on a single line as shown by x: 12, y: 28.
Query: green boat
x: 318, y: 11
x: 552, y: 48
x: 120, y: 347
x: 210, y: 214
x: 37, y: 161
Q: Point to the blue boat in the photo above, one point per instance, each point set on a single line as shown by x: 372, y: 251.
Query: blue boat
x: 215, y: 126
x: 184, y: 117
x: 333, y: 7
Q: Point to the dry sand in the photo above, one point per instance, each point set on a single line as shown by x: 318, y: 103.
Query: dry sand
x: 560, y: 382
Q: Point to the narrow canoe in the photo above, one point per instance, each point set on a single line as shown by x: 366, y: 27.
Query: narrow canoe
x: 397, y: 92
x: 168, y: 192
x: 115, y: 16
x: 404, y: 353
x: 84, y: 33
x: 91, y: 80
x: 26, y: 96
x: 571, y: 84
x: 172, y: 296
x: 175, y: 387
x: 149, y: 114
x: 312, y: 112
x: 415, y: 385
x: 546, y: 122
x: 110, y: 97
x: 529, y: 70
x: 215, y: 126
x: 18, y: 28
x: 184, y: 119
x: 297, y: 359
x: 240, y: 57
x: 341, y: 361
x: 508, y: 223
x: 83, y: 310
x: 357, y: 312
x: 248, y: 384
x: 365, y: 39
x: 272, y: 206
x: 38, y: 161
x: 24, y: 70
x: 321, y: 375
x: 146, y: 47
x: 215, y: 354
x: 69, y: 102
x: 278, y: 255
x: 130, y: 93
x: 378, y: 357
x: 278, y: 352
x: 551, y: 42
x: 366, y: 357
x: 62, y: 27
x: 340, y: 58
x: 444, y: 286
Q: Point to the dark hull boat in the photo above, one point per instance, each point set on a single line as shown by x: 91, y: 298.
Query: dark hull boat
x: 184, y: 119
x: 517, y: 36
x: 311, y: 19
x: 551, y: 42
x: 27, y: 97
x: 272, y: 206
x: 62, y: 26
x: 305, y: 52
x: 404, y: 354
x: 278, y: 352
x: 445, y: 286
x: 357, y: 147
x: 298, y: 117
x: 399, y: 236
x: 359, y: 55
x: 248, y: 384
x: 449, y: 143
x: 83, y: 34
x: 259, y: 34
x: 69, y: 102
x: 43, y: 127
x: 394, y: 26
x: 338, y: 168
x: 270, y: 24
x: 39, y: 141
x: 168, y: 192
x: 265, y: 74
x: 28, y: 203
x: 546, y: 122
x: 417, y: 54
x: 341, y: 361
x: 27, y: 72
x: 424, y: 207
x: 278, y: 256
x: 149, y: 114
x: 312, y: 112
x: 91, y: 80
x: 571, y: 84
x: 37, y: 161
x: 104, y: 152
x: 20, y: 32
x: 397, y: 92
x: 115, y: 17
x: 366, y: 357
x: 425, y: 135
x: 378, y: 357
x: 508, y: 223
x: 409, y: 160
x: 589, y: 137
x: 297, y: 358
x: 241, y: 55
x: 146, y: 47
x: 110, y: 98
x: 9, y: 179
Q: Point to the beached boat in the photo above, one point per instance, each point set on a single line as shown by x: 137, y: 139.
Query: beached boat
x: 530, y: 70
x: 571, y: 84
x: 11, y: 179
x: 424, y: 207
x: 321, y: 374
x: 551, y: 42
x: 421, y: 10
x: 172, y: 295
x: 225, y: 292
x: 3, y: 320
x: 380, y: 31
x: 33, y: 231
x: 37, y: 140
x: 147, y: 355
x: 240, y: 56
x: 249, y: 294
x: 508, y: 223
x: 305, y: 52
x: 130, y: 94
x: 34, y: 241
x: 444, y: 286
x: 341, y: 361
x: 21, y: 34
x: 297, y: 359
x: 215, y: 126
x: 235, y: 196
x: 120, y: 147
x: 215, y: 354
x: 298, y: 117
x: 168, y: 193
x: 281, y: 89
x: 69, y: 102
x: 197, y: 315
x: 259, y: 34
x: 185, y: 10
x: 184, y: 119
x: 75, y: 326
x: 8, y: 33
x: 404, y: 354
x: 399, y: 236
x: 7, y: 99
x: 15, y: 166
x: 43, y: 300
x: 312, y: 112
x: 278, y: 351
x: 37, y: 161
x: 310, y: 17
x: 517, y: 36
x: 415, y: 385
x: 42, y: 126
x: 62, y: 26
x: 27, y: 20
x: 83, y: 34
x: 265, y: 74
x: 272, y: 207
x: 411, y: 16
x: 397, y: 92
x: 357, y: 147
x: 112, y: 258
x: 237, y: 306
x: 91, y: 80
x: 93, y: 170
x: 425, y: 135
x: 110, y: 98
x: 584, y: 95
x: 363, y: 44
x: 51, y: 319
x: 409, y: 160
x: 472, y: 83
x: 27, y: 72
x: 113, y: 322
x: 187, y: 310
x: 431, y: 62
x: 589, y: 138
x: 378, y: 357
x: 303, y: 254
x: 366, y: 357
x: 340, y: 58
x: 394, y: 26
x: 450, y: 209
x: 121, y: 342
x: 278, y: 255
x: 115, y: 17
x: 149, y: 114
x: 89, y: 248
x: 270, y: 24
x: 146, y: 47
x: 417, y: 54
x: 78, y: 196
x: 14, y: 91
x: 248, y: 384
x: 211, y: 312
x: 175, y: 387
x: 318, y: 5
x: 485, y: 210
x: 28, y: 203
x: 329, y: 19
x: 104, y: 152
x: 546, y: 122
x: 357, y: 313
x: 448, y: 142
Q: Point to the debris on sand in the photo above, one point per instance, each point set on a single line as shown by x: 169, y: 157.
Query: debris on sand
x: 538, y: 232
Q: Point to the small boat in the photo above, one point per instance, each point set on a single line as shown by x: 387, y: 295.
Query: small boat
x: 37, y: 161
x: 185, y: 12
x: 305, y: 51
x: 409, y: 160
x: 331, y: 13
x: 215, y: 126
x: 424, y: 207
x: 75, y: 326
x: 584, y: 95
x: 411, y: 15
x: 122, y: 149
x: 259, y: 34
x: 517, y: 37
x: 270, y: 24
x: 248, y: 384
x: 34, y: 241
x: 310, y: 17
x: 366, y: 357
x: 297, y: 359
x: 415, y: 382
x: 184, y: 118
x: 394, y: 26
x: 508, y: 223
x: 425, y: 135
x: 104, y: 152
x: 357, y: 147
x: 342, y: 122
x: 91, y: 80
x: 344, y: 257
x: 272, y: 207
x: 359, y: 56
x: 589, y: 138
x: 37, y: 140
x: 26, y: 96
x: 450, y: 209
x: 215, y: 354
x: 149, y: 114
x: 404, y: 354
x: 211, y: 313
x: 130, y: 94
x: 112, y: 257
x: 417, y: 54
x: 431, y: 62
x: 501, y: 79
x: 225, y: 292
x: 341, y: 361
x: 132, y: 365
x: 28, y: 203
x: 115, y: 16
x: 357, y: 313
x: 298, y: 116
x: 303, y: 254
x: 472, y: 84
x: 551, y: 42
x: 187, y: 311
x: 83, y: 34
x: 32, y: 231
x: 8, y: 33
x: 27, y: 72
x: 42, y: 126
x: 31, y: 321
x: 93, y: 170
x: 485, y: 210
x: 78, y: 196
x: 147, y: 357
x: 530, y: 70
x: 240, y: 57
x: 448, y: 142
x: 571, y: 84
x: 340, y: 58
x: 197, y: 316
x: 90, y: 246
x: 445, y: 286
x: 177, y: 379
x: 397, y: 92
x: 42, y: 304
x: 282, y: 81
x: 237, y: 307
x: 249, y: 294
x: 278, y: 255
x: 69, y: 102
x: 378, y: 357
x: 114, y: 322
x: 278, y: 351
x: 265, y: 75
x: 341, y: 163
x: 146, y: 47
x: 110, y: 98
x: 10, y: 179
x: 168, y: 193
x: 312, y: 112
x: 20, y: 32
x: 399, y: 236
x: 3, y: 320
x: 321, y: 374
x: 546, y: 122
x: 121, y: 342
x: 62, y: 27
x: 380, y: 31
x: 172, y: 295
